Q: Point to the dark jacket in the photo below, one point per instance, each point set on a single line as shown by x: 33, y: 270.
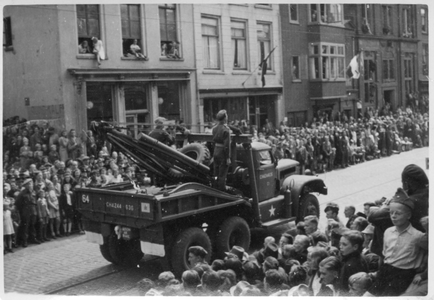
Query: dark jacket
x: 351, y: 264
x: 26, y: 204
x: 380, y: 218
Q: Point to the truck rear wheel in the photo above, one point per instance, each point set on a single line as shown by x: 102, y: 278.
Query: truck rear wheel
x: 190, y: 237
x: 233, y: 232
x: 310, y: 206
x: 105, y: 250
x: 127, y: 253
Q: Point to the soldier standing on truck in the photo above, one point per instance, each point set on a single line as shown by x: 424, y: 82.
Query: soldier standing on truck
x: 222, y: 150
x: 160, y: 134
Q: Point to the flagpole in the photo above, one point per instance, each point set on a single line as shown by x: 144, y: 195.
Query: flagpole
x: 258, y: 66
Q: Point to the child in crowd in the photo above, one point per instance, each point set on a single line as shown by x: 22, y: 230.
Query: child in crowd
x: 67, y: 209
x: 8, y: 228
x: 54, y: 210
x: 43, y: 214
x: 358, y: 284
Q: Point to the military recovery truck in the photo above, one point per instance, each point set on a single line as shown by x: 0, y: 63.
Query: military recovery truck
x: 181, y: 208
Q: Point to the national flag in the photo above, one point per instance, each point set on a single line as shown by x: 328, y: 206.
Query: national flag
x: 355, y: 68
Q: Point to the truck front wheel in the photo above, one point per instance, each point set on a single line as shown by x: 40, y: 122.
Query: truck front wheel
x: 190, y: 237
x: 309, y: 206
x: 233, y: 232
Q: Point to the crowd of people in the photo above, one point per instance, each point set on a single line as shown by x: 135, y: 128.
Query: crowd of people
x: 382, y: 251
x: 324, y: 145
x: 42, y: 167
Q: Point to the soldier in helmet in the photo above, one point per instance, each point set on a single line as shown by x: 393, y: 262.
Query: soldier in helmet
x: 222, y: 149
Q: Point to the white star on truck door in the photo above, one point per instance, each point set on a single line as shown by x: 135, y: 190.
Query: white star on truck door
x: 272, y: 209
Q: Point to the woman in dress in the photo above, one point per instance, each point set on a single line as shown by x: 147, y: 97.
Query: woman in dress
x: 63, y: 144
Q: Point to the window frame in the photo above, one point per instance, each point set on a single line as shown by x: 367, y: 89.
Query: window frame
x: 367, y: 14
x: 7, y: 34
x: 298, y: 72
x: 140, y: 39
x: 297, y: 21
x: 261, y: 56
x: 89, y: 36
x: 332, y: 61
x: 176, y: 8
x: 388, y: 65
x: 408, y: 73
x: 217, y: 36
x: 325, y: 11
x: 408, y: 22
x: 424, y: 20
x: 386, y: 11
x: 245, y: 39
x: 425, y: 59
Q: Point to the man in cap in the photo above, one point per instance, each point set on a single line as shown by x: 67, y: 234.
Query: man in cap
x: 404, y: 249
x: 27, y: 206
x: 222, y: 149
x: 415, y: 182
x: 160, y: 134
x: 196, y: 256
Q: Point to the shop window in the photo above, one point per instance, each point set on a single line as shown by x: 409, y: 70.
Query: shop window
x: 424, y: 20
x: 239, y: 44
x: 136, y: 107
x: 7, y: 34
x: 88, y: 25
x: 211, y: 43
x: 264, y: 43
x: 327, y: 63
x: 131, y: 30
x: 326, y: 13
x: 169, y: 43
x: 293, y: 13
x: 99, y: 102
x: 169, y: 96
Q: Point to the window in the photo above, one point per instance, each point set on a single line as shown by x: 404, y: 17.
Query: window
x: 408, y: 74
x: 295, y: 68
x: 88, y: 25
x: 327, y: 61
x: 388, y: 70
x: 326, y: 13
x: 367, y: 14
x: 130, y: 19
x: 424, y: 20
x: 387, y: 19
x: 211, y: 43
x: 168, y: 31
x: 425, y: 60
x: 293, y: 13
x: 238, y: 34
x: 407, y: 24
x: 297, y: 119
x: 264, y: 43
x: 7, y: 33
x: 370, y: 75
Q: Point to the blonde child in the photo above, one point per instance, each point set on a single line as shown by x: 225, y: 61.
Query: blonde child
x: 54, y: 211
x: 43, y: 215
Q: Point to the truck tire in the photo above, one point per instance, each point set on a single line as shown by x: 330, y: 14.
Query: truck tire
x: 192, y: 236
x: 125, y: 253
x: 309, y: 206
x: 233, y: 231
x: 105, y: 251
x: 196, y: 151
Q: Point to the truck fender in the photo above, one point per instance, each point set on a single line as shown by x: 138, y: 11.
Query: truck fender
x: 300, y: 185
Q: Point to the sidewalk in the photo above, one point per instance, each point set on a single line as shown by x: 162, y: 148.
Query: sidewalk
x: 40, y: 269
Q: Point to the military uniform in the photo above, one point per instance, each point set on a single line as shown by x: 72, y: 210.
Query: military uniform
x: 222, y: 152
x: 27, y: 207
x: 162, y: 136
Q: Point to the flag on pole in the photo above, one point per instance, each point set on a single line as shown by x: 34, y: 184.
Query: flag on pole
x: 355, y: 68
x: 264, y: 66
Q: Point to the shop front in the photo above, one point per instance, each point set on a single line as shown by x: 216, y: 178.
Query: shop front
x: 255, y: 107
x: 134, y: 100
